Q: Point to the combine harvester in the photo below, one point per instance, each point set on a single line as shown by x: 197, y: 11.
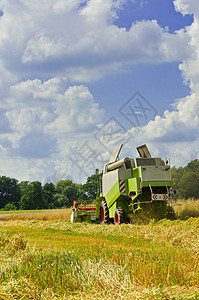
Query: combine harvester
x: 128, y: 186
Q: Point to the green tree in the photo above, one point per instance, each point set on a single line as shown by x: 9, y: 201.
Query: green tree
x: 81, y: 195
x: 23, y: 185
x: 176, y: 174
x: 61, y: 200
x: 49, y: 194
x: 193, y: 166
x: 186, y: 180
x: 27, y: 199
x: 9, y: 206
x: 90, y: 187
x: 32, y: 197
x: 189, y: 185
x: 66, y: 193
x: 9, y: 191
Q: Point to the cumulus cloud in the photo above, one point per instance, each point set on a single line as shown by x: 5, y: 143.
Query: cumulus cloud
x: 66, y: 6
x: 66, y: 36
x: 190, y: 66
x: 48, y: 106
x: 47, y: 115
x: 179, y: 125
x: 75, y: 111
x: 187, y: 7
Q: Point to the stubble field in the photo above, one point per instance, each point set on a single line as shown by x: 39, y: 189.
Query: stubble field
x: 43, y: 256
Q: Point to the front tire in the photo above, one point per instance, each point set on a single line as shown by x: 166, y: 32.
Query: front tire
x: 104, y: 212
x: 120, y: 216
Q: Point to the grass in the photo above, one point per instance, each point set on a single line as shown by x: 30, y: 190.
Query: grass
x: 53, y: 259
x: 185, y: 209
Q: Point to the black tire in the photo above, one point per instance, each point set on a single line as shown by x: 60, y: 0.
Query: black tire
x: 104, y: 212
x: 120, y: 216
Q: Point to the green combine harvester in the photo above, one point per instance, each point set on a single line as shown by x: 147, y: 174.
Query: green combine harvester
x: 129, y: 187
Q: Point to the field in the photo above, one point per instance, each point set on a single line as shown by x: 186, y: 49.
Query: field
x: 185, y: 209
x: 43, y: 256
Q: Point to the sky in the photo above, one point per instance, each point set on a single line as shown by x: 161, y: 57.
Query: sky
x: 79, y: 77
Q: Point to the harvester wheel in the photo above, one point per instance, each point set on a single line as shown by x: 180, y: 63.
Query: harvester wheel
x: 104, y: 212
x: 120, y: 216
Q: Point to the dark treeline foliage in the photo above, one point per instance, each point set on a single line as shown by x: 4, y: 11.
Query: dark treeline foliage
x: 9, y: 191
x: 186, y: 180
x: 32, y: 195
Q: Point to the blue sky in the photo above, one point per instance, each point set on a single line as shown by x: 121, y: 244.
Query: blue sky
x: 159, y: 83
x: 161, y: 10
x: 75, y: 76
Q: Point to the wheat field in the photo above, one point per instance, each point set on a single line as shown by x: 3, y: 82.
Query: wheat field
x: 185, y: 209
x: 50, y: 214
x: 43, y: 256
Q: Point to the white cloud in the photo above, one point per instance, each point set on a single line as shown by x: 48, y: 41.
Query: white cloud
x: 63, y: 36
x: 41, y: 114
x: 41, y: 47
x: 26, y: 169
x: 75, y: 111
x: 36, y: 89
x: 101, y: 11
x: 190, y: 66
x: 187, y: 7
x: 179, y: 125
x: 63, y: 6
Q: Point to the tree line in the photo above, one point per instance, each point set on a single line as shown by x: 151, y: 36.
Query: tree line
x: 186, y: 180
x: 32, y: 195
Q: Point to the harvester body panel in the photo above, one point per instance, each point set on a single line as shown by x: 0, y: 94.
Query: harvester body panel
x: 155, y: 173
